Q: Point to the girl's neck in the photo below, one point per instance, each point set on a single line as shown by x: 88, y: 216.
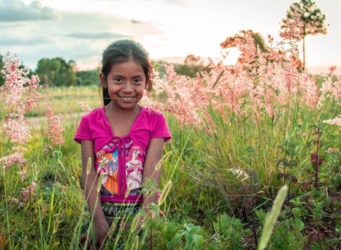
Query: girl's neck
x: 121, y: 120
x: 111, y: 109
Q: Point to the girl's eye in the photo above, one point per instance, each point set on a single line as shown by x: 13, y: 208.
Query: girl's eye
x: 137, y: 81
x: 118, y: 80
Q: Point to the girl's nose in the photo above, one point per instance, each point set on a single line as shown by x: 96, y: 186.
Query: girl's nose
x: 128, y: 87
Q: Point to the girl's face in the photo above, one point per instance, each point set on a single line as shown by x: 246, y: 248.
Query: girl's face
x: 126, y: 83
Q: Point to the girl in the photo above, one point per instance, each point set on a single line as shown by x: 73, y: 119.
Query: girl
x: 123, y: 140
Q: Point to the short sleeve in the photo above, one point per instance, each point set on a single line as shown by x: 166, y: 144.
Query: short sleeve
x: 83, y: 132
x: 161, y: 129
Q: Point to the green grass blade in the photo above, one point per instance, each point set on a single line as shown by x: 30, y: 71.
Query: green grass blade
x: 271, y: 218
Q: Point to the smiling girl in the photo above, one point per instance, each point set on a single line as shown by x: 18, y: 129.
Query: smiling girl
x: 123, y: 140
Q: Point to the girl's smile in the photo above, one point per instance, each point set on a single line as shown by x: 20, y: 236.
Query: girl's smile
x: 126, y: 83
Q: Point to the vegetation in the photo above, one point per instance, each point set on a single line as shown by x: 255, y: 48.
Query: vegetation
x: 219, y: 178
x: 2, y: 80
x: 254, y: 160
x: 303, y: 18
x: 87, y: 77
x: 56, y: 72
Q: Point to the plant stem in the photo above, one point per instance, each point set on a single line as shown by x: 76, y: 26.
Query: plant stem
x: 317, y: 159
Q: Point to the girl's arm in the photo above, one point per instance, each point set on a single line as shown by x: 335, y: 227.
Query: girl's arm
x: 154, y: 154
x: 91, y: 193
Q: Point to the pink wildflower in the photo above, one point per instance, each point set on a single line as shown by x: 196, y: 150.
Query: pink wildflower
x: 332, y: 150
x: 9, y: 160
x: 17, y: 130
x: 54, y: 130
x: 332, y: 69
x: 263, y: 80
x: 28, y: 191
x: 19, y: 149
x: 85, y: 107
x: 335, y: 121
x: 330, y: 90
x: 19, y: 93
x: 23, y: 174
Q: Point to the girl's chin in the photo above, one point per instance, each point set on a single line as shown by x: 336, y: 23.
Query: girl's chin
x: 125, y: 104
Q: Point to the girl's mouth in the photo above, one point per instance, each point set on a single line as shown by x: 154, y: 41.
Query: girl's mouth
x: 126, y: 99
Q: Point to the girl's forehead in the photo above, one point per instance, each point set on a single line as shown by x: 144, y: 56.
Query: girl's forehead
x: 127, y: 68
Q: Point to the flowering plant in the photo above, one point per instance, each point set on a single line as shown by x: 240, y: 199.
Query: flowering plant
x: 19, y: 94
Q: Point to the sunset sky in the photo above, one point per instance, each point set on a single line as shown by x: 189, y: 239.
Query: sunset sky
x: 81, y: 29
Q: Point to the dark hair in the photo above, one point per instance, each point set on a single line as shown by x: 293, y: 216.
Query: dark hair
x: 122, y: 51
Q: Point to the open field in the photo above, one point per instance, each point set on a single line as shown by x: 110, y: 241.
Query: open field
x: 237, y: 138
x: 209, y: 201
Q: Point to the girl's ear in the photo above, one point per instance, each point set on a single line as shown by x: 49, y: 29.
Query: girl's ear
x: 103, y: 80
x: 148, y: 86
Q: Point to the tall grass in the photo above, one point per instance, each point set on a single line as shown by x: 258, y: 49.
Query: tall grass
x: 223, y: 181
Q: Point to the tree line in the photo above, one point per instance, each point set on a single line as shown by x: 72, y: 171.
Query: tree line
x: 57, y: 72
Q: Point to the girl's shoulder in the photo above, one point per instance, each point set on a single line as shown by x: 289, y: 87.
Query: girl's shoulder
x: 153, y: 117
x: 152, y: 112
x: 157, y: 124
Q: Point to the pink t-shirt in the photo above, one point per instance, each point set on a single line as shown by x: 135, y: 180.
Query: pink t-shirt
x: 121, y: 159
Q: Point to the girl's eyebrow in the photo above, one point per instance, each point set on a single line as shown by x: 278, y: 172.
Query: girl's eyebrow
x: 118, y: 75
x: 139, y: 75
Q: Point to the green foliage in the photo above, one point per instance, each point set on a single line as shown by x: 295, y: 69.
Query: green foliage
x: 259, y: 41
x: 2, y: 79
x: 189, y: 70
x: 191, y: 66
x: 191, y: 235
x: 229, y: 232
x: 56, y: 72
x: 309, y: 14
x: 288, y: 235
x: 87, y: 77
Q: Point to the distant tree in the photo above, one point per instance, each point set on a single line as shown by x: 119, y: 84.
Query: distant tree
x: 303, y: 18
x: 232, y: 41
x: 87, y: 77
x: 2, y: 79
x: 56, y: 72
x: 191, y: 66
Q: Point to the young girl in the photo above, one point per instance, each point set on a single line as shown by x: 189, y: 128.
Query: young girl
x: 123, y: 140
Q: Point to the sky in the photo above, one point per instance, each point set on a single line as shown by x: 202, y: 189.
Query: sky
x: 81, y: 29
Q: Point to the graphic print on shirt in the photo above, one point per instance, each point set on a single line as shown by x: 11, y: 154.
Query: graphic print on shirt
x: 109, y: 168
x: 134, y: 169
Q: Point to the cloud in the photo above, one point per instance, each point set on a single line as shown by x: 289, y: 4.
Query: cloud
x: 81, y: 36
x: 100, y: 35
x: 16, y: 11
x: 15, y: 41
x: 94, y: 26
x: 176, y: 2
x: 82, y: 52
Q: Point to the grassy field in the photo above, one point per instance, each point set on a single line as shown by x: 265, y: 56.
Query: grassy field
x: 242, y: 135
x: 65, y: 100
x: 221, y: 183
